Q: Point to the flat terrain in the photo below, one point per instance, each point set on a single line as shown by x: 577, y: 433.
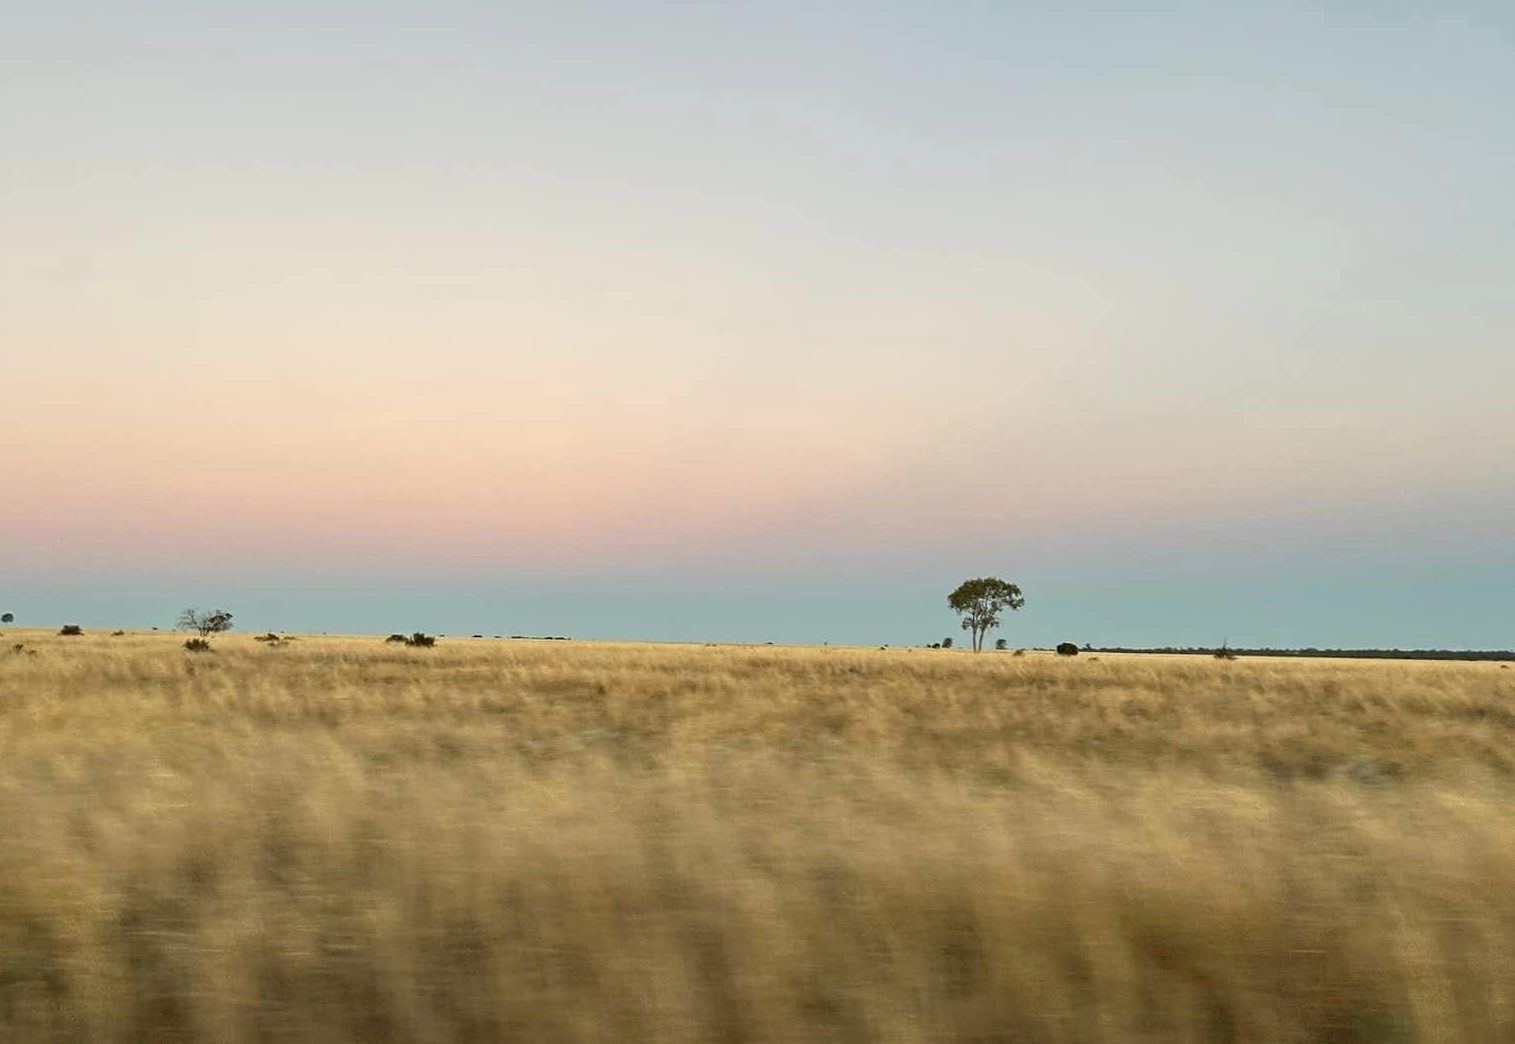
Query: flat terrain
x: 337, y: 839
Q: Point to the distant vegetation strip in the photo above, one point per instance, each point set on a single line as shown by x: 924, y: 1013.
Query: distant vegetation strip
x: 1353, y: 654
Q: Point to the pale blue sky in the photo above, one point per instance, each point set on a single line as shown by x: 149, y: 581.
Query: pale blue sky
x: 651, y: 320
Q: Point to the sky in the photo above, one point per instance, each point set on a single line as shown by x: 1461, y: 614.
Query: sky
x: 761, y: 321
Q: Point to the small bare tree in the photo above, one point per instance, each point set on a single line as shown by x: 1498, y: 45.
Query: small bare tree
x: 207, y: 623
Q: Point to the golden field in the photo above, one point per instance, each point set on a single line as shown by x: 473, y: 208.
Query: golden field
x: 340, y: 840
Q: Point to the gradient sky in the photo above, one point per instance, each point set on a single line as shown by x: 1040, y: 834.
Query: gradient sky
x: 761, y: 321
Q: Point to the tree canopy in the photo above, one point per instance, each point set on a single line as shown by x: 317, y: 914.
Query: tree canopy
x: 979, y: 602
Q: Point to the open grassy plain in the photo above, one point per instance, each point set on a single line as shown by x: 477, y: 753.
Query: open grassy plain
x: 340, y: 840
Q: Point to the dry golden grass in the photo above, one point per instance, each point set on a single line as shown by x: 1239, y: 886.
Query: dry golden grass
x: 341, y: 840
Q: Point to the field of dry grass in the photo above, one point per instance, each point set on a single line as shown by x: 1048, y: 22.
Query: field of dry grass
x: 339, y: 840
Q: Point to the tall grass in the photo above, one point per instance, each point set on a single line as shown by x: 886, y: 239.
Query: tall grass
x: 341, y: 840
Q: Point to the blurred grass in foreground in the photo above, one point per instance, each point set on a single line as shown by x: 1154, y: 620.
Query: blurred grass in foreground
x: 339, y: 840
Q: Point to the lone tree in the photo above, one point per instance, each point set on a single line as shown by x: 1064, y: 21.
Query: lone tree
x: 979, y: 602
x: 213, y: 622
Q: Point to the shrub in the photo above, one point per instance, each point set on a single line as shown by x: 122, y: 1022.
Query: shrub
x: 946, y: 643
x: 1020, y: 652
x: 1001, y: 644
x: 71, y: 630
x: 117, y: 634
x: 419, y: 640
x: 7, y: 617
x: 197, y: 645
x: 1067, y: 649
x: 269, y: 637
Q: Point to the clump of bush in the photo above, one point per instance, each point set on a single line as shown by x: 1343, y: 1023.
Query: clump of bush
x: 1067, y: 649
x: 1001, y: 644
x: 419, y: 640
x: 197, y: 645
x: 1224, y: 652
x: 71, y: 630
x: 117, y: 634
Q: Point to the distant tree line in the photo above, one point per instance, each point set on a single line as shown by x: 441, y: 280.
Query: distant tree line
x: 1353, y: 654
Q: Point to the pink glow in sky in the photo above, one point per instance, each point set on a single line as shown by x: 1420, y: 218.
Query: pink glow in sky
x: 563, y: 290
